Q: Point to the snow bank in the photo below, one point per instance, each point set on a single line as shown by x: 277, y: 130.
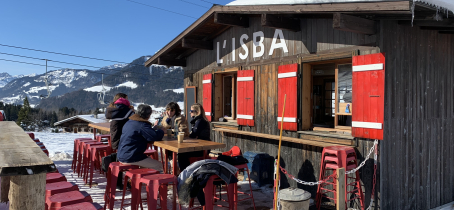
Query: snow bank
x: 60, y: 145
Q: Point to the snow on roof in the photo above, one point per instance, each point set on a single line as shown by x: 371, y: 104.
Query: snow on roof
x: 88, y: 117
x: 447, y: 4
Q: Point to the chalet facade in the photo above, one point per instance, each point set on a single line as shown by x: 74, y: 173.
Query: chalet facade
x: 79, y: 123
x: 350, y: 72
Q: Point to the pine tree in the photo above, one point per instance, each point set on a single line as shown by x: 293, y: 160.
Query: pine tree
x: 24, y: 114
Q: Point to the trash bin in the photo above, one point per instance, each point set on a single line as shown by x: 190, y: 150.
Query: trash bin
x: 294, y: 199
x: 260, y: 167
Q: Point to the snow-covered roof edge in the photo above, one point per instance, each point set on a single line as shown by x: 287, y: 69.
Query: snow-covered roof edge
x: 439, y: 4
x: 83, y: 117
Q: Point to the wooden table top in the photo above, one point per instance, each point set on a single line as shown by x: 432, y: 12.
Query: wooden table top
x: 20, y: 155
x: 100, y: 126
x: 188, y: 145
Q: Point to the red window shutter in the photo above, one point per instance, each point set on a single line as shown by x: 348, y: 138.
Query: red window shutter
x: 207, y: 84
x: 245, y: 91
x: 287, y: 85
x: 368, y: 87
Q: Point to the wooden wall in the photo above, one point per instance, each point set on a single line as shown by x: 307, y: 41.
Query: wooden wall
x: 417, y: 151
x: 316, y: 36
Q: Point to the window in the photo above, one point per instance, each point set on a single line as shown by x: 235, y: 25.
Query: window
x: 225, y: 96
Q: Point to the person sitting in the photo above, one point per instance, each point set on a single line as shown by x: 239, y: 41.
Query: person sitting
x: 118, y: 111
x: 137, y: 133
x: 200, y: 130
x: 172, y: 117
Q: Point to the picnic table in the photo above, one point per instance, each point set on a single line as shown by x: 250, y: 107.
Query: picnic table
x: 23, y: 168
x: 171, y: 144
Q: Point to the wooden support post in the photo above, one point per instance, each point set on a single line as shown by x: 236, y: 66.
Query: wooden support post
x: 340, y: 189
x: 4, y: 189
x: 232, y: 19
x: 27, y: 192
x: 197, y: 44
x: 353, y: 24
x: 280, y: 22
x: 171, y: 62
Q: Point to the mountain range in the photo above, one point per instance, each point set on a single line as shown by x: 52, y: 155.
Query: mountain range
x: 79, y: 88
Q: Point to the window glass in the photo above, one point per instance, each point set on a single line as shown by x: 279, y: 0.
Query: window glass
x: 344, y: 88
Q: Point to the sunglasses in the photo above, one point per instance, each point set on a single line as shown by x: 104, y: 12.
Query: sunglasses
x: 193, y: 111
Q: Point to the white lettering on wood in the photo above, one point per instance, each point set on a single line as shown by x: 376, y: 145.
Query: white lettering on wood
x: 257, y: 44
x: 246, y: 51
x: 274, y: 45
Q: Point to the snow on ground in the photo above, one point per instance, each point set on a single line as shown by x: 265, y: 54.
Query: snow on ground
x: 60, y: 147
x: 179, y: 90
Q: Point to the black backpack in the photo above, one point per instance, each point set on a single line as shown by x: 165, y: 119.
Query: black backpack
x: 105, y: 162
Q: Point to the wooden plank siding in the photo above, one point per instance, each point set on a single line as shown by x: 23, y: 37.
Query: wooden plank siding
x: 416, y: 154
x: 316, y: 36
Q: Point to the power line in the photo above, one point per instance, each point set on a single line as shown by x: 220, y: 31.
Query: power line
x: 194, y: 4
x: 161, y: 9
x: 79, y: 56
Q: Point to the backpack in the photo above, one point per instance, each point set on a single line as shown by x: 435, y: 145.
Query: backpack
x: 105, y: 162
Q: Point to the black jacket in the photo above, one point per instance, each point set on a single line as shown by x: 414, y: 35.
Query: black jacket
x: 137, y: 133
x: 200, y: 128
x: 119, y: 116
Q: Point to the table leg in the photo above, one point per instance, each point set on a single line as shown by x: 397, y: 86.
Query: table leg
x: 175, y: 166
x: 205, y: 155
x: 94, y: 134
x: 166, y: 163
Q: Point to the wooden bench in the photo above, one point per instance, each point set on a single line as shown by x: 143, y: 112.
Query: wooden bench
x: 317, y: 140
x: 23, y: 168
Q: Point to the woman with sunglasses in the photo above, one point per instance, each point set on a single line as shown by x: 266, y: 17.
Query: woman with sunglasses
x: 172, y: 117
x: 200, y: 130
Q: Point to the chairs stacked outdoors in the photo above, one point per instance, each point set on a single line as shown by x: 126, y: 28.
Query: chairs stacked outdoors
x: 60, y: 193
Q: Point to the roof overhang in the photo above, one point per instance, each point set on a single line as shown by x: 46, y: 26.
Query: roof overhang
x: 208, y: 26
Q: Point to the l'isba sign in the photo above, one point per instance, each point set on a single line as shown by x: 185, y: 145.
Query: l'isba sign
x: 260, y: 36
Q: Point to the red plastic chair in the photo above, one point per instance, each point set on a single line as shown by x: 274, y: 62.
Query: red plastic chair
x: 59, y: 187
x: 55, y: 177
x: 135, y: 176
x: 95, y: 153
x: 157, y: 185
x: 57, y: 201
x: 83, y: 206
x: 76, y: 150
x: 112, y: 176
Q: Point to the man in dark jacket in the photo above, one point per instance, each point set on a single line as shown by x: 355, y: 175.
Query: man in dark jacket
x: 137, y: 133
x: 119, y: 111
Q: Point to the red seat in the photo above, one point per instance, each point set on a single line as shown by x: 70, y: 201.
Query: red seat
x: 112, y: 176
x: 76, y: 150
x: 59, y: 187
x: 82, y: 206
x: 210, y: 195
x: 85, y: 159
x: 80, y: 152
x: 59, y: 200
x: 334, y: 157
x: 157, y: 185
x: 55, y: 177
x: 32, y: 135
x: 135, y: 176
x: 45, y: 151
x: 95, y: 152
x: 100, y: 137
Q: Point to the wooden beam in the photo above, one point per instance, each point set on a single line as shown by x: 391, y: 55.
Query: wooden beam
x: 340, y: 189
x: 171, y: 62
x: 280, y: 22
x: 197, y: 44
x: 353, y: 24
x: 426, y: 22
x: 446, y: 32
x: 231, y: 19
x: 437, y: 28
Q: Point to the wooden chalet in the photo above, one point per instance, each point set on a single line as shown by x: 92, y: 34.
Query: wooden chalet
x: 352, y: 72
x: 79, y: 123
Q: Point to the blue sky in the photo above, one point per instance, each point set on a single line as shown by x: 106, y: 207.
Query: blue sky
x: 118, y: 30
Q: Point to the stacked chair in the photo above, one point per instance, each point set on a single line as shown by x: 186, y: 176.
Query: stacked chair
x: 61, y: 194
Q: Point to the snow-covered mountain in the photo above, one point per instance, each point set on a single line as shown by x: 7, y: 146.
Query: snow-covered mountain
x: 79, y: 88
x: 5, y: 78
